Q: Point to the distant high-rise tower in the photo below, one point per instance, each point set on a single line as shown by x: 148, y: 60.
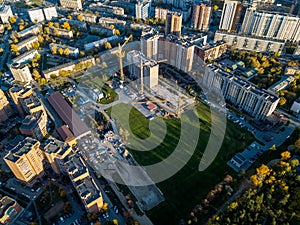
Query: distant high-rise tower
x: 201, y: 16
x: 173, y: 24
x: 142, y: 9
x: 230, y: 15
x: 75, y: 4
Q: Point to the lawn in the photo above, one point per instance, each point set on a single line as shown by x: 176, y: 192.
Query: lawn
x: 188, y: 187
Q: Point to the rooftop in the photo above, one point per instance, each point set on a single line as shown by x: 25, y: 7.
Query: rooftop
x: 88, y: 190
x: 65, y: 133
x: 5, y: 203
x: 54, y: 146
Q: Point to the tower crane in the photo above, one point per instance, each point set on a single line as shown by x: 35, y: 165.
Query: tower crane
x: 151, y: 100
x: 178, y: 113
x: 121, y: 54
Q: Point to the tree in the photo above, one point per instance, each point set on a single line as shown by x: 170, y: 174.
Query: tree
x: 216, y: 7
x: 282, y: 101
x: 285, y: 155
x: 35, y: 45
x: 54, y: 49
x: 12, y: 19
x: 60, y: 51
x: 107, y: 45
x: 1, y: 50
x: 40, y: 38
x: 46, y: 30
x: 66, y: 25
x: 80, y: 17
x: 67, y: 52
x: 117, y: 32
x: 14, y: 48
x: 21, y: 27
x: 69, y: 17
x: 35, y: 74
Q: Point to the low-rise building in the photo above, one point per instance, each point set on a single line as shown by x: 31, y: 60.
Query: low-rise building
x: 25, y: 57
x: 73, y: 4
x: 250, y: 43
x: 296, y: 106
x: 64, y: 33
x: 87, y: 17
x: 96, y: 44
x: 35, y: 125
x: 75, y: 23
x: 69, y: 67
x: 26, y: 44
x: 101, y: 8
x: 66, y: 135
x: 282, y: 84
x: 76, y: 168
x: 238, y: 160
x: 9, y: 210
x: 33, y: 30
x: 73, y: 51
x: 107, y: 22
x: 55, y: 152
x: 25, y: 160
x: 102, y: 31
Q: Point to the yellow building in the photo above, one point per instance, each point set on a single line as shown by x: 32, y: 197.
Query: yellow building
x: 26, y: 160
x: 55, y: 151
x: 5, y: 109
x: 9, y: 209
x: 76, y: 169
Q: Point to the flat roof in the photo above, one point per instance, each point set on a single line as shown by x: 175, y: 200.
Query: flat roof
x: 65, y: 133
x: 68, y: 115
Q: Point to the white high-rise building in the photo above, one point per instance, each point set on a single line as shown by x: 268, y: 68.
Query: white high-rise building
x: 280, y: 26
x: 142, y: 9
x: 230, y: 15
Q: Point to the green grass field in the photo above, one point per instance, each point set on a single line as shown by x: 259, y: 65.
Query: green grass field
x: 188, y: 187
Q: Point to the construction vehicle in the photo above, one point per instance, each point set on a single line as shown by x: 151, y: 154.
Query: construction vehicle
x: 121, y: 54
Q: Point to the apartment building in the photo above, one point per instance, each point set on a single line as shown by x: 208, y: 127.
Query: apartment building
x: 87, y: 189
x: 268, y: 24
x: 26, y: 44
x: 201, y: 16
x: 240, y: 93
x: 61, y: 32
x: 70, y: 66
x: 107, y: 21
x: 231, y: 14
x: 33, y: 30
x: 9, y: 210
x: 250, y: 43
x: 50, y: 13
x: 96, y: 44
x: 35, y: 125
x: 5, y: 13
x: 99, y: 29
x: 17, y: 93
x: 25, y: 57
x: 73, y: 51
x: 161, y: 13
x: 20, y: 72
x: 5, y: 108
x: 73, y: 4
x: 210, y: 52
x: 25, y: 160
x: 142, y: 9
x: 36, y: 15
x: 148, y: 74
x: 55, y: 152
x: 173, y: 23
x: 101, y: 8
